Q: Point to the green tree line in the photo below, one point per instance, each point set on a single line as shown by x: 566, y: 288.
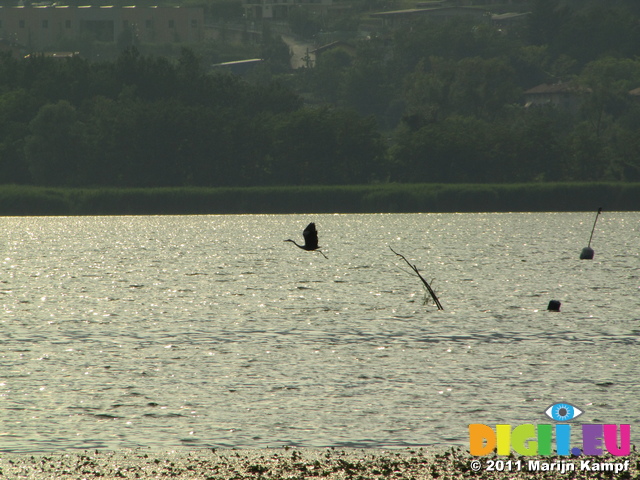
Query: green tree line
x: 146, y: 121
x: 450, y: 94
x: 439, y: 102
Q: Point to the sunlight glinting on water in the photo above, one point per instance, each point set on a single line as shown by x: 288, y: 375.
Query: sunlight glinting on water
x: 211, y: 331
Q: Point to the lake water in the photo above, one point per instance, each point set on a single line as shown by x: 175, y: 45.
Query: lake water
x: 209, y: 331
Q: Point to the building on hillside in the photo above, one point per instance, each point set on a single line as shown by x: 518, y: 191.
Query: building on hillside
x: 239, y: 67
x: 635, y: 92
x: 564, y: 95
x: 509, y: 19
x: 471, y: 3
x: 400, y: 17
x: 279, y: 9
x: 40, y: 27
x: 56, y: 55
x: 346, y: 46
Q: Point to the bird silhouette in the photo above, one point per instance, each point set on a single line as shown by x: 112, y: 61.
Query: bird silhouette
x: 310, y: 235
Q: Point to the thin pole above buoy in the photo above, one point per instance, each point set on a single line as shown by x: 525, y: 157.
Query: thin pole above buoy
x: 587, y: 252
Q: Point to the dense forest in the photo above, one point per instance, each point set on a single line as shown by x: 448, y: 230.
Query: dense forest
x: 439, y: 102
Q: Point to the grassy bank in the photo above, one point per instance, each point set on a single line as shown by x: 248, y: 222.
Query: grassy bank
x: 383, y: 198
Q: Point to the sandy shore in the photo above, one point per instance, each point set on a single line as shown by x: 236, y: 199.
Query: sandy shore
x: 294, y: 463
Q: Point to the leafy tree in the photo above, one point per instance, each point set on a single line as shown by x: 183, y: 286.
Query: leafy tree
x: 626, y: 166
x: 533, y: 144
x: 598, y: 31
x: 54, y: 150
x: 453, y: 39
x: 329, y: 72
x: 17, y: 108
x: 590, y: 158
x: 277, y: 53
x: 471, y: 86
x: 427, y: 94
x: 325, y: 146
x: 609, y: 81
x: 534, y: 64
x: 9, y: 71
x: 368, y: 87
x: 273, y: 98
x: 483, y: 86
x: 111, y: 136
x: 456, y: 149
x: 547, y: 19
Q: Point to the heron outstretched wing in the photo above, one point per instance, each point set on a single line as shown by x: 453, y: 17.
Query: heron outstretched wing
x: 310, y: 235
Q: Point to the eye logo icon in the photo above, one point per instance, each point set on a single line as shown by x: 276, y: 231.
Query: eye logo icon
x: 563, y: 412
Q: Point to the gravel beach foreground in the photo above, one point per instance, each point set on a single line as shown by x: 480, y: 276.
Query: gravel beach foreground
x: 295, y: 463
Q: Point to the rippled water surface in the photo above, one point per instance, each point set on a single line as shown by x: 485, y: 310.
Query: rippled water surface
x: 210, y: 331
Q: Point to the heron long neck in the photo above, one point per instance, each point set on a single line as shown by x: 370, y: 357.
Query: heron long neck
x: 292, y: 241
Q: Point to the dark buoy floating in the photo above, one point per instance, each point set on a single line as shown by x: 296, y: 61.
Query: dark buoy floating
x: 554, y: 306
x: 587, y: 252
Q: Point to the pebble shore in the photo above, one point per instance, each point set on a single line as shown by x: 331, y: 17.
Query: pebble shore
x: 302, y: 463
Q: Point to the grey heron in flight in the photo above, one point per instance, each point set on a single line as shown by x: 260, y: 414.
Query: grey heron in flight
x: 310, y: 235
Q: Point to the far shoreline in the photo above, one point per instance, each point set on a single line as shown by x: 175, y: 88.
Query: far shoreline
x: 21, y: 200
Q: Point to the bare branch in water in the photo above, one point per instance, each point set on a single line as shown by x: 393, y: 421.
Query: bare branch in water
x: 426, y: 284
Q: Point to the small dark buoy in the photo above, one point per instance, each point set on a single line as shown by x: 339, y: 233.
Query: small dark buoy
x: 554, y: 306
x: 587, y: 252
